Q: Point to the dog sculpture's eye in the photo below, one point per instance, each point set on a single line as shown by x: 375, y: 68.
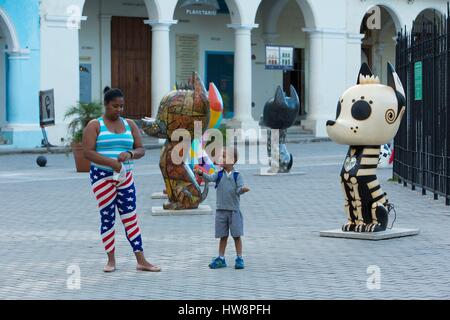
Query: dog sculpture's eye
x: 338, y: 109
x: 361, y: 110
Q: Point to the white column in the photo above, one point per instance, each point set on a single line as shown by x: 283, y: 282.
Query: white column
x: 327, y: 75
x: 60, y: 61
x: 160, y: 61
x: 354, y: 42
x: 2, y: 87
x: 243, y: 78
x: 105, y: 50
x: 378, y: 60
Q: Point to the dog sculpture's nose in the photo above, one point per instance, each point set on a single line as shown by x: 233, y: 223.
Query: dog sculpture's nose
x: 331, y: 123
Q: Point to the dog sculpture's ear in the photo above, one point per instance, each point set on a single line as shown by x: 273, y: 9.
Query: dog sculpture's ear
x: 294, y: 94
x: 294, y: 100
x: 199, y: 87
x: 394, y: 81
x: 365, y: 71
x: 280, y: 97
x: 215, y: 98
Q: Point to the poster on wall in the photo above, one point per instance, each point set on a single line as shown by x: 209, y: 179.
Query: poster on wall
x: 279, y: 58
x: 187, y: 56
x: 47, y: 108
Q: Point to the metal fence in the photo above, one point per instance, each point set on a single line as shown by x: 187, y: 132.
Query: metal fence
x: 422, y: 145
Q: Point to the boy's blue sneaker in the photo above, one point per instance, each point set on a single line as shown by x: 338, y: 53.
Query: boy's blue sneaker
x: 239, y: 263
x: 218, y: 263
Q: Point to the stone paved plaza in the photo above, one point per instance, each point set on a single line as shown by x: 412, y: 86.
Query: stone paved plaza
x: 50, y: 225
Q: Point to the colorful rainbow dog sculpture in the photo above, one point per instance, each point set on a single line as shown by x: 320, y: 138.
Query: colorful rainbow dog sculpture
x: 368, y: 115
x: 199, y: 157
x: 180, y: 109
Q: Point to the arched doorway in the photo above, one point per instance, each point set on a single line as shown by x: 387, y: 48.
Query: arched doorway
x: 115, y: 47
x: 281, y: 23
x: 2, y: 81
x: 379, y: 26
x: 202, y: 42
x: 8, y: 43
x: 425, y: 22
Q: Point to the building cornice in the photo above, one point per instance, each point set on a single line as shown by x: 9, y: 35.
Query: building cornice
x: 160, y: 22
x: 69, y: 22
x: 18, y: 54
x: 238, y: 26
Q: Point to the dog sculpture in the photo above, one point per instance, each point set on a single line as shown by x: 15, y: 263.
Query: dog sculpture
x: 199, y: 157
x: 368, y: 115
x: 280, y: 113
x: 180, y: 109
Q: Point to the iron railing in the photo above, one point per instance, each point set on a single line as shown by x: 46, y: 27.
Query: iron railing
x: 422, y: 145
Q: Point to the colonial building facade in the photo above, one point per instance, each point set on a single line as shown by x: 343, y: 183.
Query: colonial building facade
x: 145, y: 47
x: 19, y: 74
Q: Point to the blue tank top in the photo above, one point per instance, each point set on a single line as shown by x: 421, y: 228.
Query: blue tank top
x: 111, y: 144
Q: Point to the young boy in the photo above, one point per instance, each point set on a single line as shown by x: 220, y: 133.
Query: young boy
x: 230, y: 186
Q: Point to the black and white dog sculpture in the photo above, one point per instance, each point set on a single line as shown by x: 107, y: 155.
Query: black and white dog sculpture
x: 368, y: 115
x: 280, y: 113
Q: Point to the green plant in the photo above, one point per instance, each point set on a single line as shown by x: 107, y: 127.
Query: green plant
x: 80, y: 115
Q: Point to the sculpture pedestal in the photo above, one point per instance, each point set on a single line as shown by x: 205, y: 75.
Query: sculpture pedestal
x: 159, y: 195
x: 201, y: 210
x: 383, y: 235
x: 266, y: 172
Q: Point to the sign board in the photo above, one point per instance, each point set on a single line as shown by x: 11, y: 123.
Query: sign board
x: 201, y: 12
x: 418, y: 80
x: 205, y: 7
x: 279, y: 57
x: 187, y: 56
x: 47, y: 108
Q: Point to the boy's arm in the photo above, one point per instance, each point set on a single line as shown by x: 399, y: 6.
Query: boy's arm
x: 240, y: 185
x: 209, y: 177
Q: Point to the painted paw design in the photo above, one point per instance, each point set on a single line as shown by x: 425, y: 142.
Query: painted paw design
x: 350, y: 226
x: 375, y: 227
x: 361, y: 228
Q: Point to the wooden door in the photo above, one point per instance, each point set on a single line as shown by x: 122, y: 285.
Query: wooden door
x: 131, y: 46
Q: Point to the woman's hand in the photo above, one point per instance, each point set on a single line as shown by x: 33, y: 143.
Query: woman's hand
x: 117, y: 166
x: 124, y: 156
x: 245, y: 190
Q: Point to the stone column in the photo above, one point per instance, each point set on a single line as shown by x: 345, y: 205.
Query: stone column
x: 327, y: 75
x: 354, y: 42
x: 243, y: 78
x: 22, y: 110
x: 60, y: 68
x: 378, y: 60
x: 160, y: 61
x: 105, y: 50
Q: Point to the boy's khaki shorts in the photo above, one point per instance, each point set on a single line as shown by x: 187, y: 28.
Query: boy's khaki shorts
x: 228, y: 221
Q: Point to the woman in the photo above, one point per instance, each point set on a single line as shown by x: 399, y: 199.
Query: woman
x: 111, y: 143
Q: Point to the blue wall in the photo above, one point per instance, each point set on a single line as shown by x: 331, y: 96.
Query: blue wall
x: 23, y: 81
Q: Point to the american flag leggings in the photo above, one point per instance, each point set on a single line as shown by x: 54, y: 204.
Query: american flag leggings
x: 111, y: 195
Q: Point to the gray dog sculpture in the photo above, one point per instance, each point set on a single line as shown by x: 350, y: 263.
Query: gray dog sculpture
x: 280, y: 113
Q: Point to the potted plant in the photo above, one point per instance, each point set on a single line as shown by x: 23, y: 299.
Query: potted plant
x: 80, y: 115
